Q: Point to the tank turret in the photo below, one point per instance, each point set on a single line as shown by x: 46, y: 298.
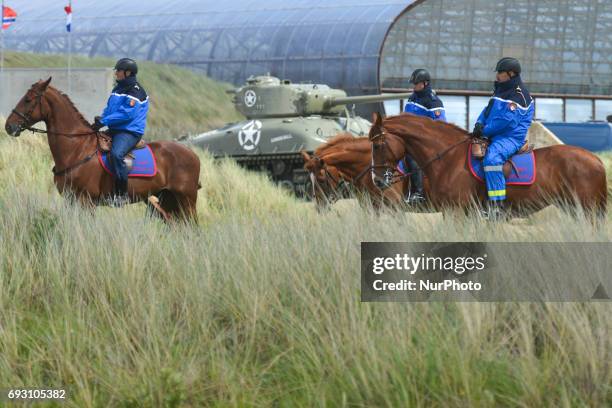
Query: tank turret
x: 283, y: 119
x: 269, y: 97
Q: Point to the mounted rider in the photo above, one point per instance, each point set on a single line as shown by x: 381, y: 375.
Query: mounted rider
x: 422, y: 102
x: 126, y: 117
x: 505, y: 122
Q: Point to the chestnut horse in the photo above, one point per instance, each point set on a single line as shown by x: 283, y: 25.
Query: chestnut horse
x: 74, y: 146
x: 341, y: 167
x: 566, y: 175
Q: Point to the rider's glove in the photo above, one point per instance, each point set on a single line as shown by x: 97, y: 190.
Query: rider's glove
x: 477, y: 132
x: 97, y: 123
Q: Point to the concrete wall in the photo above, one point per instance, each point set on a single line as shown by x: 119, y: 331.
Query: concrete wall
x: 89, y: 89
x: 540, y: 136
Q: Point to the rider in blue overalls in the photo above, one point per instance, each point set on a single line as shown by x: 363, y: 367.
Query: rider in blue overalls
x: 505, y: 122
x: 126, y: 117
x: 422, y: 102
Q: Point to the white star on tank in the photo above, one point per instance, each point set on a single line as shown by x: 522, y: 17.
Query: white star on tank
x: 250, y: 97
x: 249, y: 135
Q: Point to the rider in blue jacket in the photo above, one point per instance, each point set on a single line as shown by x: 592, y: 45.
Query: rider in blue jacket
x: 126, y: 117
x: 505, y: 122
x: 422, y: 102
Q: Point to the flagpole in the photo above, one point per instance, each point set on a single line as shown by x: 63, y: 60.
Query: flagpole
x: 2, y: 88
x: 2, y: 46
x: 70, y: 55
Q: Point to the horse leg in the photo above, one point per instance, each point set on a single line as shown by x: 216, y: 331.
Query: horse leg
x: 186, y: 206
x: 178, y: 205
x: 595, y: 201
x: 594, y: 207
x: 168, y: 204
x: 574, y: 180
x: 155, y: 209
x: 87, y: 203
x: 588, y: 201
x: 81, y: 199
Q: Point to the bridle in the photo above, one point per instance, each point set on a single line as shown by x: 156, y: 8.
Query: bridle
x: 390, y: 175
x: 27, y: 118
x: 390, y: 172
x: 343, y: 186
x: 342, y: 189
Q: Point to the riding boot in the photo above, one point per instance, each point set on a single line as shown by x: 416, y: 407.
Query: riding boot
x: 495, y: 211
x: 416, y: 195
x: 120, y: 194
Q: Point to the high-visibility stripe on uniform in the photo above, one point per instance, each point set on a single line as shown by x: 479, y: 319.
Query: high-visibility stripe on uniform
x: 423, y: 107
x: 497, y: 193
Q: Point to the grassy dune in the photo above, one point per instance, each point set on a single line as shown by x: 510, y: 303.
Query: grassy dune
x: 182, y: 101
x: 259, y: 305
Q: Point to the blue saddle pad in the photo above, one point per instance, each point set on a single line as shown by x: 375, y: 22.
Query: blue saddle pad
x: 144, y: 163
x: 525, y: 164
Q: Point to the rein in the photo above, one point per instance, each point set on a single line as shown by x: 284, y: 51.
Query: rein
x: 36, y: 130
x: 372, y: 167
x: 27, y: 117
x: 437, y: 157
x: 342, y: 185
x: 77, y: 164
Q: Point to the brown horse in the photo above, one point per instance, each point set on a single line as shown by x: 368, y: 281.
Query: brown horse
x: 341, y: 167
x: 74, y: 147
x: 565, y: 175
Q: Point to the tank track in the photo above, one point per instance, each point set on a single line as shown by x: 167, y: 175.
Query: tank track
x: 286, y: 169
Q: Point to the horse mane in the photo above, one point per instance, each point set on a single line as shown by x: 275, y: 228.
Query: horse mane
x: 397, y: 124
x: 339, y: 142
x: 71, y: 104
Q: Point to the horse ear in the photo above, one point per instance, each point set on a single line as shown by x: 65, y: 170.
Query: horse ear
x: 376, y: 124
x: 375, y: 117
x: 305, y: 156
x: 45, y: 84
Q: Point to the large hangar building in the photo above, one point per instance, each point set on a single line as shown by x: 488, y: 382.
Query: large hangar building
x: 362, y: 46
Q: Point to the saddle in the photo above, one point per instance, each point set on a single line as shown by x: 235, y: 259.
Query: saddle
x: 479, y: 150
x: 105, y: 142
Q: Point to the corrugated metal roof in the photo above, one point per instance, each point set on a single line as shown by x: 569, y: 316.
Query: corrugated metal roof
x: 336, y: 42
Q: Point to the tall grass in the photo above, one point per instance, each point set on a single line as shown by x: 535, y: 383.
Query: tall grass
x: 259, y: 305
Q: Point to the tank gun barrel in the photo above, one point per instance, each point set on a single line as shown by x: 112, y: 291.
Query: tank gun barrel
x: 365, y: 99
x: 269, y: 97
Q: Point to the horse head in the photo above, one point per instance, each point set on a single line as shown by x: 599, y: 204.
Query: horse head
x: 386, y: 152
x: 326, y: 180
x: 29, y: 109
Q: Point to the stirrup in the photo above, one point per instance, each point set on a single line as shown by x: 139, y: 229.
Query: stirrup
x: 415, y: 198
x: 118, y: 201
x: 494, y: 212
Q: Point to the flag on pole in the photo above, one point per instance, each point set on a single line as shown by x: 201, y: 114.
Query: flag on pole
x: 68, y: 10
x: 8, y: 17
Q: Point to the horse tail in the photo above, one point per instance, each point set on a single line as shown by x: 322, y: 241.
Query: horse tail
x: 603, y: 201
x: 604, y: 192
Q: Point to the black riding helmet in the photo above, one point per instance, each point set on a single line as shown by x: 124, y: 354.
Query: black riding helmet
x: 420, y: 75
x: 507, y: 64
x: 127, y: 64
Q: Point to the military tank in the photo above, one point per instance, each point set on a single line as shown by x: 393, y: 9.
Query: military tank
x: 283, y: 119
